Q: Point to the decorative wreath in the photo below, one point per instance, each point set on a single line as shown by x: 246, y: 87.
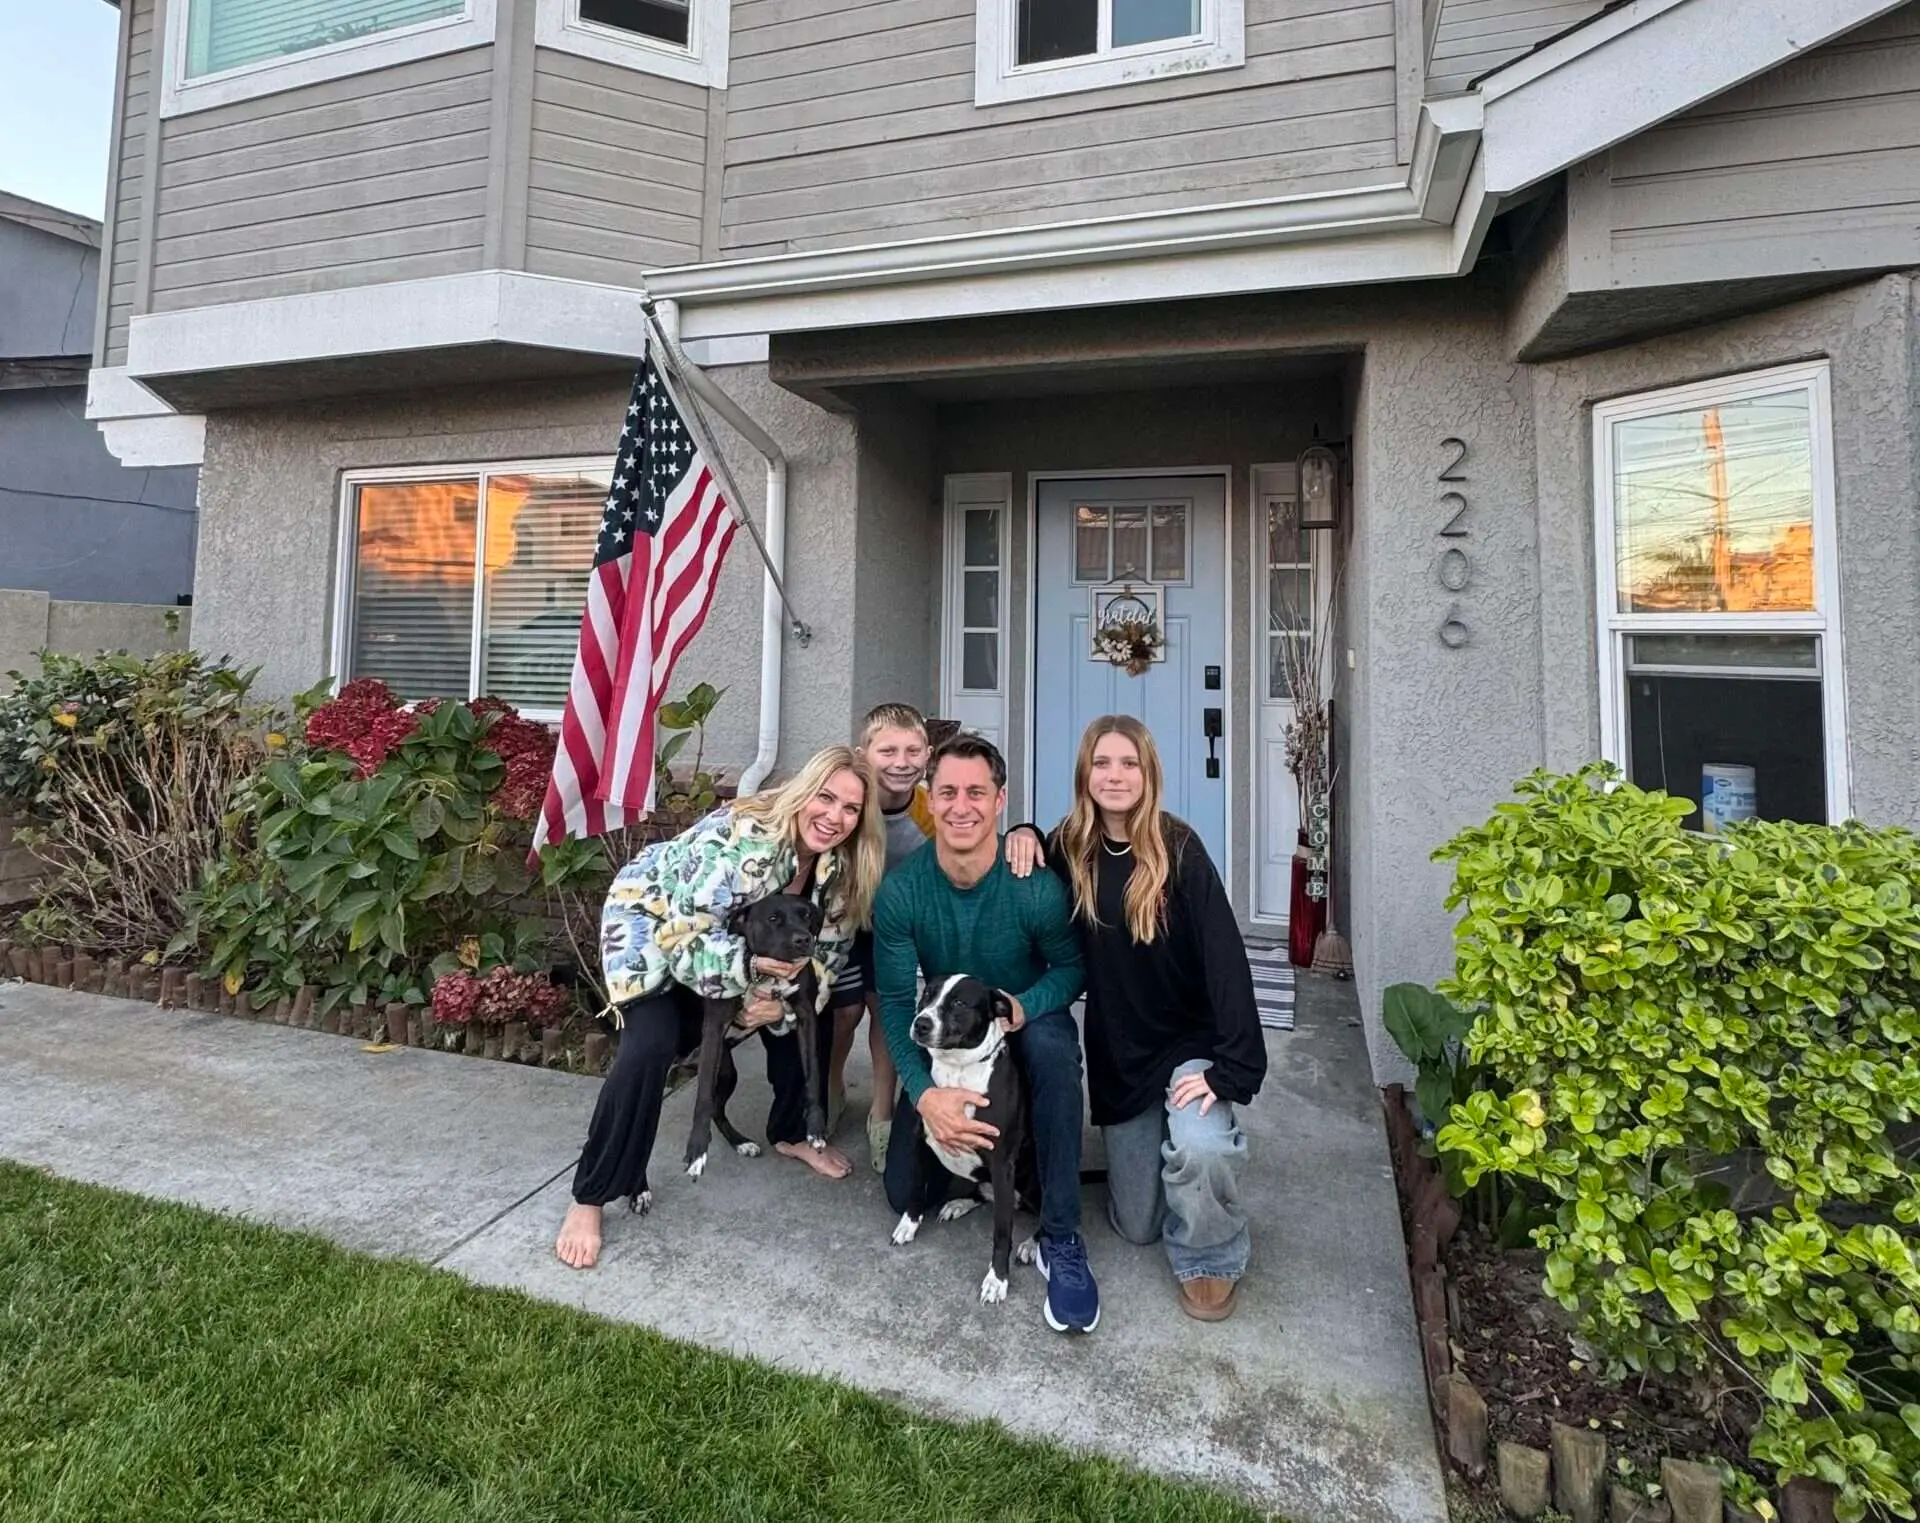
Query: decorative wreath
x: 1130, y: 642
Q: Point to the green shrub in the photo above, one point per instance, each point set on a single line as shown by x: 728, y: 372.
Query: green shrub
x: 1711, y: 1055
x: 396, y: 840
x: 123, y: 766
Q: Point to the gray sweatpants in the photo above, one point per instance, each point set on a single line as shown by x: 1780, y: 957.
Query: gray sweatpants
x: 1172, y: 1177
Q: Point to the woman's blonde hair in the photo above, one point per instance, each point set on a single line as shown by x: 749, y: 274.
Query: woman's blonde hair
x: 1149, y: 829
x: 862, y: 857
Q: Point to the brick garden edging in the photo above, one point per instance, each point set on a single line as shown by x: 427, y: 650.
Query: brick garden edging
x: 1574, y: 1476
x: 401, y: 1025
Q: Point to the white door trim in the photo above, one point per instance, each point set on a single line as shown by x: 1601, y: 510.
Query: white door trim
x: 1030, y: 604
x: 1263, y: 481
x: 995, y: 490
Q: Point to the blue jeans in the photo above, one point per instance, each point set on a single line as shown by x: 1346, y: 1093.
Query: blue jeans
x: 1172, y: 1178
x: 1048, y: 1051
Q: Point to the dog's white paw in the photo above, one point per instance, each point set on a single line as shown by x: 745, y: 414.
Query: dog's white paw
x: 986, y: 1190
x: 1024, y: 1250
x: 906, y: 1231
x: 818, y: 1144
x: 748, y: 1149
x: 953, y: 1210
x: 993, y: 1289
x: 697, y: 1167
x: 640, y: 1204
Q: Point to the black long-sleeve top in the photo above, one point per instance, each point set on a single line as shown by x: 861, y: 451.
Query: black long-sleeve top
x: 1186, y: 994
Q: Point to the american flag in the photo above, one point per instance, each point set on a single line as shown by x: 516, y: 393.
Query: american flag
x: 663, y: 536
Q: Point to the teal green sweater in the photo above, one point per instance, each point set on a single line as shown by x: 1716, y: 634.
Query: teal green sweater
x: 1013, y: 933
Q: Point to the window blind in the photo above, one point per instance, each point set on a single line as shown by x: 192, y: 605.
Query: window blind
x: 413, y: 586
x: 224, y: 34
x: 540, y: 541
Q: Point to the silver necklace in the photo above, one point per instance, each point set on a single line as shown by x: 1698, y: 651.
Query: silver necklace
x: 1107, y: 846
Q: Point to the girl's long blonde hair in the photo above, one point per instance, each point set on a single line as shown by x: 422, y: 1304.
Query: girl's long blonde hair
x: 1149, y: 828
x: 861, y: 858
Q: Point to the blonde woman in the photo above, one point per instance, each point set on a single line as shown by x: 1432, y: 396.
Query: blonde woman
x: 1172, y: 1033
x: 664, y: 947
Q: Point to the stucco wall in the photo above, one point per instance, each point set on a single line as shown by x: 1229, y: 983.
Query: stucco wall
x: 31, y: 622
x: 896, y: 580
x: 1869, y: 334
x: 271, y: 504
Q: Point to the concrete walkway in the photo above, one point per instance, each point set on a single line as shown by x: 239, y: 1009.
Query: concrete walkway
x: 1309, y: 1400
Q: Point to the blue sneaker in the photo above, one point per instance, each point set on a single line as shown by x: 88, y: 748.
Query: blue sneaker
x: 1073, y: 1300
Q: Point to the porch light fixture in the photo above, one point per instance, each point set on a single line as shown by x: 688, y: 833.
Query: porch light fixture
x: 1320, y: 473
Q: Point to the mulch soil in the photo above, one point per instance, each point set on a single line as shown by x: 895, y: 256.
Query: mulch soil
x: 1517, y: 1347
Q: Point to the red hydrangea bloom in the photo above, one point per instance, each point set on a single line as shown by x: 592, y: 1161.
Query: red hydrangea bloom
x: 363, y: 720
x: 497, y: 996
x: 527, y: 748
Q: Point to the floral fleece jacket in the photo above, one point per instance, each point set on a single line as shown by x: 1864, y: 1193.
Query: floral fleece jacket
x: 665, y: 915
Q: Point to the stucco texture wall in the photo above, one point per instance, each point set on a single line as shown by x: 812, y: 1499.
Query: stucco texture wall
x: 897, y: 557
x: 270, y: 521
x: 1870, y: 336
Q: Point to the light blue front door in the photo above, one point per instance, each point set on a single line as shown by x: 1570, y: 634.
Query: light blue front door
x: 1166, y: 534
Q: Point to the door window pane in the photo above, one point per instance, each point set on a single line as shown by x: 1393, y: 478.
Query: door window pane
x: 1170, y: 543
x: 1090, y: 547
x: 1129, y: 545
x: 1283, y: 647
x: 413, y: 586
x: 1050, y: 29
x: 663, y: 20
x: 1287, y: 543
x: 1138, y: 21
x: 982, y: 600
x: 1713, y: 508
x: 1290, y: 598
x: 225, y: 34
x: 540, y: 540
x: 980, y: 662
x: 982, y: 532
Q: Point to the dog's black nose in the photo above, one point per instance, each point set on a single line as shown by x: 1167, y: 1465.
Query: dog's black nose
x: 922, y: 1027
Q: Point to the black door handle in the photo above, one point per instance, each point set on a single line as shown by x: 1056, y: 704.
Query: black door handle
x: 1210, y: 727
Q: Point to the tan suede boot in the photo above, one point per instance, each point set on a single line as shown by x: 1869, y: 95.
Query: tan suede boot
x: 1208, y: 1300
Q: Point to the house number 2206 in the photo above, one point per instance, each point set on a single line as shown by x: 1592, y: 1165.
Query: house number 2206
x: 1453, y: 568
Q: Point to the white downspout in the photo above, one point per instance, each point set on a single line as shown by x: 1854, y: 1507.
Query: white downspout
x: 772, y: 610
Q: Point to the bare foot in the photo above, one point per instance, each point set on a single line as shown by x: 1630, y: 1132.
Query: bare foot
x: 829, y: 1161
x: 578, y: 1245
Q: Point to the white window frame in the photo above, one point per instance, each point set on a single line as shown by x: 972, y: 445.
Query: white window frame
x: 1822, y: 622
x: 346, y: 558
x: 473, y: 27
x: 703, y: 61
x: 976, y: 708
x: 998, y: 77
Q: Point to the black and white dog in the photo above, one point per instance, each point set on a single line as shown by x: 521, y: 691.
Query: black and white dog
x: 782, y: 927
x: 959, y: 1025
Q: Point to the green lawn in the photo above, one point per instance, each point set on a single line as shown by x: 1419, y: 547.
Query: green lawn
x: 161, y: 1363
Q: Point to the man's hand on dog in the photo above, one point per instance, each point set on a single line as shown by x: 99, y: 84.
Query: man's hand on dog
x: 944, y: 1111
x: 1013, y: 1022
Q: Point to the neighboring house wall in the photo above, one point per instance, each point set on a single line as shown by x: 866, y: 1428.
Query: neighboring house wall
x: 1472, y: 37
x: 74, y: 523
x: 1815, y: 166
x: 128, y: 180
x: 618, y: 169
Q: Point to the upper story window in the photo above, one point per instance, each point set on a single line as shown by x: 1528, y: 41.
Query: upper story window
x: 1719, y: 625
x: 682, y: 39
x: 469, y: 581
x: 219, y: 51
x: 1030, y: 48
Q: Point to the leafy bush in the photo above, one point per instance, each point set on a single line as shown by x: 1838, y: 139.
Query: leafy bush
x: 123, y: 766
x: 400, y: 835
x: 1710, y: 1051
x: 682, y: 800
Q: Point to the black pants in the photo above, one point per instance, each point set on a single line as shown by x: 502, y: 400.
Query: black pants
x: 654, y: 1032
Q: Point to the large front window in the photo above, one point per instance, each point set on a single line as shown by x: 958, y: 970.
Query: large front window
x: 1720, y: 657
x: 220, y: 51
x: 470, y: 583
x: 226, y: 34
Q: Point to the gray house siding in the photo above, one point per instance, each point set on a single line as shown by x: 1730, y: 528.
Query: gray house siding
x: 618, y: 167
x: 851, y: 125
x: 375, y: 177
x: 139, y: 99
x: 1474, y: 36
x: 1813, y: 167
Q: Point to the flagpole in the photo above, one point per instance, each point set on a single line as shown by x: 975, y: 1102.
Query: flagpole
x: 686, y: 396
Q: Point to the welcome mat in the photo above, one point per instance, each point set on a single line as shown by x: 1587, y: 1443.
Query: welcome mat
x: 1272, y: 986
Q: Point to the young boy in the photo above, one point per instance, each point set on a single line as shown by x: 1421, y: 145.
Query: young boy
x: 893, y: 739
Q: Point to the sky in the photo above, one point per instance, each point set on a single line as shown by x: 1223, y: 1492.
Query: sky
x: 56, y: 100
